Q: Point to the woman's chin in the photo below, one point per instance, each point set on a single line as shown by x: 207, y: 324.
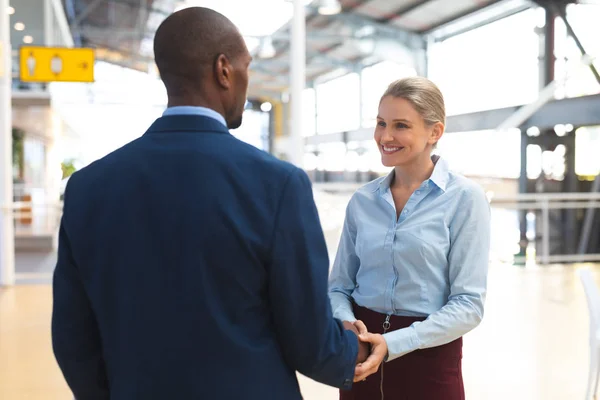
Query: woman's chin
x: 390, y: 160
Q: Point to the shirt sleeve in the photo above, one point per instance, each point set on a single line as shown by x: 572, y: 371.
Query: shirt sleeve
x: 468, y: 261
x: 342, y: 279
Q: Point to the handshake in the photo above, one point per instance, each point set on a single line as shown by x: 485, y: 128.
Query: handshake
x: 372, y: 349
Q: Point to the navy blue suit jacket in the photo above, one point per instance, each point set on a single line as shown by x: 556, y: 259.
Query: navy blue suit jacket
x: 193, y: 266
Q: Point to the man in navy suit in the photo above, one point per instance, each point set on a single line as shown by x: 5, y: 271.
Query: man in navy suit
x: 192, y: 265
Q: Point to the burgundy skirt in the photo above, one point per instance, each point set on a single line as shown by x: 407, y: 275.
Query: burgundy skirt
x: 429, y: 374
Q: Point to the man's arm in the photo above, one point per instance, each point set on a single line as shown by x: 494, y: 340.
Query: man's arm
x: 75, y: 334
x: 313, y: 342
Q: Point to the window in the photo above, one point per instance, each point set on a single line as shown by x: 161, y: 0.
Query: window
x: 587, y: 143
x: 490, y: 67
x: 309, y: 121
x: 338, y: 103
x: 575, y: 78
x: 483, y: 153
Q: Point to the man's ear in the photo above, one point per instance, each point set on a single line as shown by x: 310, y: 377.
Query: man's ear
x: 223, y: 71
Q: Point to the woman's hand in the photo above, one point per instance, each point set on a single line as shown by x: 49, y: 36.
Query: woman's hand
x: 360, y: 327
x: 379, y: 350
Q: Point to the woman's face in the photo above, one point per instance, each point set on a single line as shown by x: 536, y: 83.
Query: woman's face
x: 401, y: 133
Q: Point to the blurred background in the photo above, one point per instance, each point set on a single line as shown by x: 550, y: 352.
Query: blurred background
x: 522, y: 91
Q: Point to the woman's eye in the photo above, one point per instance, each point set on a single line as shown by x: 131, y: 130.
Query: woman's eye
x: 381, y: 123
x: 401, y: 126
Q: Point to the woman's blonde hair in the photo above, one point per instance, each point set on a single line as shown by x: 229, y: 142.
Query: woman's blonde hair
x: 424, y: 96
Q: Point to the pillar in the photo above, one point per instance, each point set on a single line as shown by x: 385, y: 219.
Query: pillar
x: 297, y: 83
x: 7, y: 237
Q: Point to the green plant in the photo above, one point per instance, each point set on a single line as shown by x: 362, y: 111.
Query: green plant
x: 18, y: 153
x: 68, y: 168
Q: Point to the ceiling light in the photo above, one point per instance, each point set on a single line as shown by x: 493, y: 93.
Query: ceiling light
x: 10, y: 10
x: 28, y: 39
x: 266, y: 106
x: 330, y: 7
x: 560, y: 130
x: 19, y: 26
x: 533, y: 131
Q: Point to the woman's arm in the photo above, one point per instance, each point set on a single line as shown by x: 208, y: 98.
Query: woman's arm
x: 342, y: 279
x: 468, y: 261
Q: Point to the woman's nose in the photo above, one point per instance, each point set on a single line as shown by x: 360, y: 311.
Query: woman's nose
x: 386, y: 136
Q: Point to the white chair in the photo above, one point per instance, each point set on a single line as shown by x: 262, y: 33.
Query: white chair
x: 593, y: 300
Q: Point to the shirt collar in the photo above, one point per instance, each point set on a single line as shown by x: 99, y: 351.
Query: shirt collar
x: 386, y: 182
x: 439, y: 176
x: 441, y: 172
x: 195, y: 110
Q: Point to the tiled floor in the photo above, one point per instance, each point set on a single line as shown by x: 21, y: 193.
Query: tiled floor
x: 531, y: 345
x: 27, y: 366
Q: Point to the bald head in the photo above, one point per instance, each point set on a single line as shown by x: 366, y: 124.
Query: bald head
x: 201, y: 56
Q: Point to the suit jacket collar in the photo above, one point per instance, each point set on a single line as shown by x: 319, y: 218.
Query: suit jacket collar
x: 187, y: 123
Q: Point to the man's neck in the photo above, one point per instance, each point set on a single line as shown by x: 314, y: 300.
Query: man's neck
x: 195, y: 102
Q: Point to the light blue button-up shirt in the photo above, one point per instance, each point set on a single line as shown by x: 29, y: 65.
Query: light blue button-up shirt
x: 431, y: 262
x: 194, y: 110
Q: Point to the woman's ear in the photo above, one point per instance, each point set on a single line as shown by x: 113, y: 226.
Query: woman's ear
x: 436, y: 132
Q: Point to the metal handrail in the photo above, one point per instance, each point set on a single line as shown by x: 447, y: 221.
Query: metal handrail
x: 546, y: 202
x: 537, y: 197
x: 530, y: 201
x: 17, y: 205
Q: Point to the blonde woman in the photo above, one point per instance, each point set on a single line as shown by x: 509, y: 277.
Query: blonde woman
x: 413, y: 257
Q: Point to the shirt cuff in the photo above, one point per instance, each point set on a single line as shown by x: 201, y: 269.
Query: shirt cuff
x: 351, y: 362
x: 341, y: 307
x: 344, y: 315
x: 401, y: 342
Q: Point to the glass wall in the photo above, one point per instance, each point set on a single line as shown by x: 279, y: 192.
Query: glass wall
x: 338, y: 104
x: 309, y: 121
x: 587, y: 145
x: 483, y: 153
x: 254, y: 130
x: 35, y: 162
x: 117, y: 108
x: 331, y: 157
x: 576, y: 79
x: 489, y: 67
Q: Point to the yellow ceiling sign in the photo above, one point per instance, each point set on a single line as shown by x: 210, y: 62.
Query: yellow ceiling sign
x: 56, y: 64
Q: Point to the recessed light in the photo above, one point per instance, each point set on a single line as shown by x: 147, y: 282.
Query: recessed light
x: 10, y: 10
x: 19, y: 26
x: 330, y: 7
x: 28, y: 39
x: 266, y: 107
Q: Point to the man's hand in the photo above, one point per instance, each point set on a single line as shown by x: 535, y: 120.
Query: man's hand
x: 378, y: 352
x: 363, y: 347
x: 349, y: 326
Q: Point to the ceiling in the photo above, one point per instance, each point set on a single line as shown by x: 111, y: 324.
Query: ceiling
x: 363, y: 33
